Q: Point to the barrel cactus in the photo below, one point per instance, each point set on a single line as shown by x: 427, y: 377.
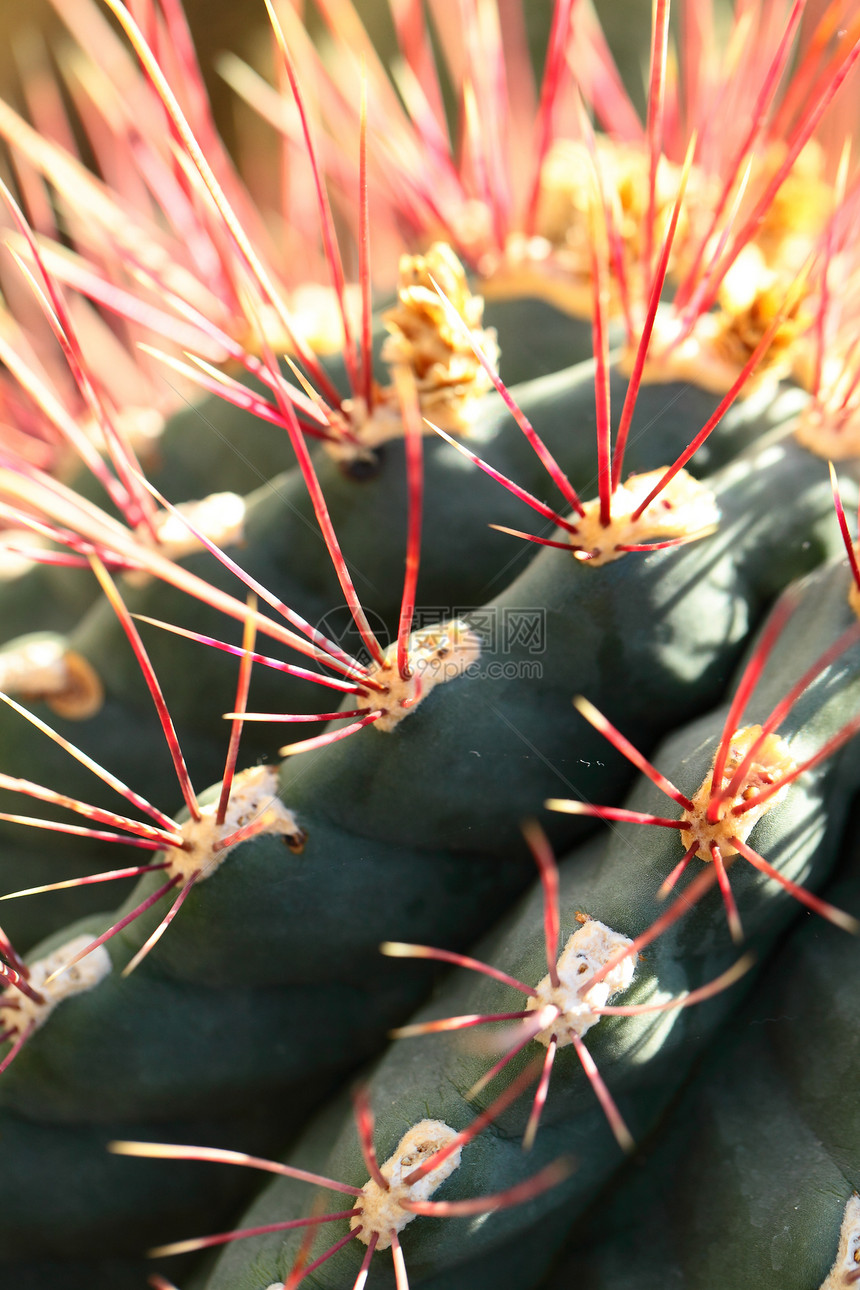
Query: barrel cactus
x: 467, y: 525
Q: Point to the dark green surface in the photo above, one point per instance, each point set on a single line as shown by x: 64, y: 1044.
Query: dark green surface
x: 649, y: 639
x: 750, y: 1185
x: 644, y: 1059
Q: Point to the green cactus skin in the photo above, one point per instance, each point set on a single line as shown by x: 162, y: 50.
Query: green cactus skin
x: 461, y: 565
x: 645, y: 1058
x: 253, y: 939
x: 753, y: 1178
x: 152, y: 1046
x: 192, y: 692
x: 26, y: 860
x: 296, y: 919
x: 535, y: 337
x: 105, y: 1274
x: 252, y: 926
x: 268, y: 988
x: 46, y: 598
x: 285, y: 551
x: 283, y: 543
x: 236, y: 947
x: 111, y: 1211
x: 561, y: 405
x: 211, y: 441
x: 644, y: 636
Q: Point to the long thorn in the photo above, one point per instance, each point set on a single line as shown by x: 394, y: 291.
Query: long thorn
x: 616, y: 1123
x: 808, y: 898
x: 330, y: 737
x: 289, y: 669
x: 599, y: 251
x: 570, y: 807
x: 656, y: 111
x: 783, y: 611
x: 17, y: 1046
x: 669, y: 883
x: 407, y: 394
x: 402, y: 950
x: 554, y: 470
x: 843, y: 527
x: 737, y: 931
x: 151, y: 941
x: 648, y: 327
x: 550, y: 1176
x: 511, y: 1093
x: 720, y: 983
x: 465, y: 1022
x: 540, y: 1095
x: 249, y: 634
x: 294, y: 1281
x: 364, y: 1124
x: 615, y: 737
x: 361, y: 1279
x: 241, y: 1234
x: 221, y: 1156
x: 111, y: 875
x: 111, y: 780
x: 329, y: 237
x: 548, y: 870
x: 401, y: 1281
x: 117, y: 927
x: 138, y: 827
x: 529, y: 498
x: 364, y: 250
x: 126, y: 621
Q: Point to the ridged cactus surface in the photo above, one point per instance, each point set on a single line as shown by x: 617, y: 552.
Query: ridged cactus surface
x: 458, y: 511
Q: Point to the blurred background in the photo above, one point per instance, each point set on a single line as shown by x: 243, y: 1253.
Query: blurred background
x: 241, y: 26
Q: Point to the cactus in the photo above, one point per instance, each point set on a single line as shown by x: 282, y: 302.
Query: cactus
x: 640, y: 335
